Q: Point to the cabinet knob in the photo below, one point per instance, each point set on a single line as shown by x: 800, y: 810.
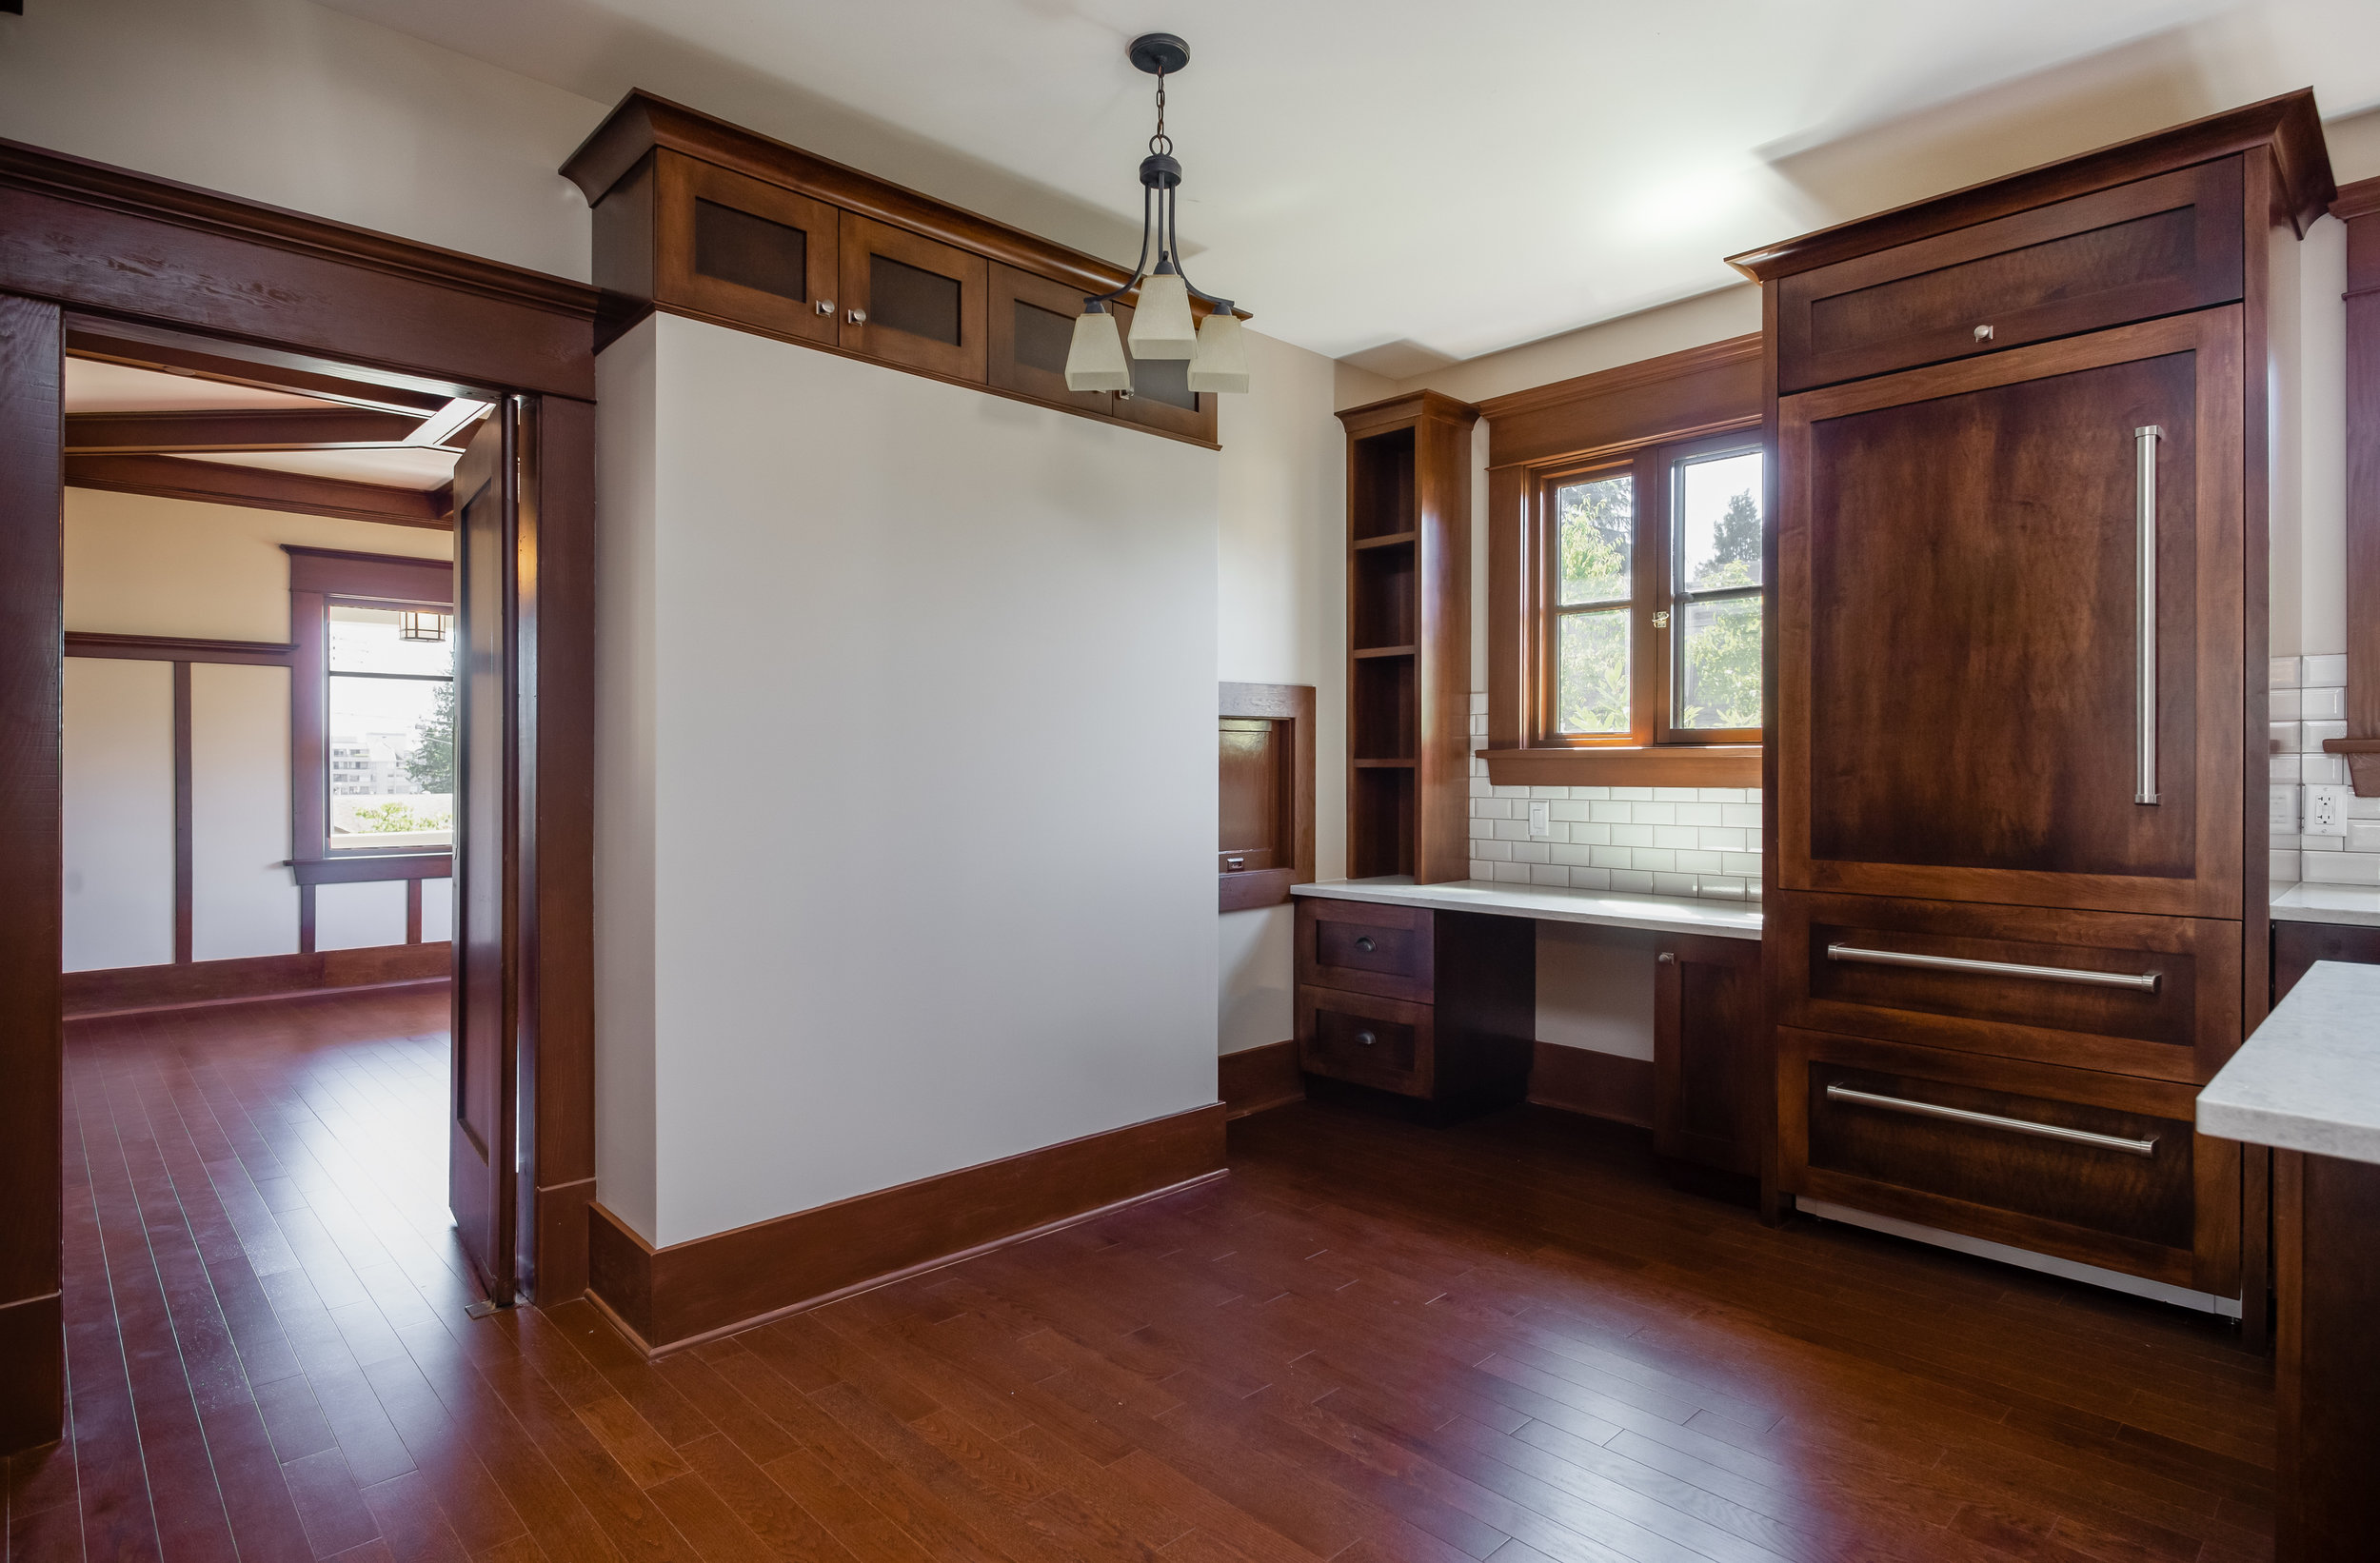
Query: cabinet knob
x: 1667, y: 958
x: 1983, y: 334
x: 856, y: 317
x: 826, y: 307
x: 1365, y: 944
x: 1366, y: 1038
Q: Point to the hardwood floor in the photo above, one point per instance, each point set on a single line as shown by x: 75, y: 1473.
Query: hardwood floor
x: 1510, y: 1340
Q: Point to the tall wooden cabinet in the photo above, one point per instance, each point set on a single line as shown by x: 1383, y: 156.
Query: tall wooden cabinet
x: 2015, y: 841
x: 1409, y: 638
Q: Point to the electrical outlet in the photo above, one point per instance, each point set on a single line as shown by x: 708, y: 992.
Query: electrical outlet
x: 1540, y: 820
x: 2326, y: 810
x: 2281, y: 820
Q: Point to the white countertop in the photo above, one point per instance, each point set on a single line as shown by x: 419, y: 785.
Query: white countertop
x: 2309, y: 1079
x: 2356, y: 904
x: 1606, y: 909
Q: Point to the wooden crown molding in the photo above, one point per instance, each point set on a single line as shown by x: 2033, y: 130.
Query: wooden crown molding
x: 2361, y: 199
x: 88, y: 183
x: 1411, y: 407
x: 1676, y: 396
x: 688, y: 1291
x: 166, y: 433
x: 2288, y: 126
x: 642, y: 121
x: 259, y: 489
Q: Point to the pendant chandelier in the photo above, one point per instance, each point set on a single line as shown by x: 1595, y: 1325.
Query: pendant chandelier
x: 1162, y: 324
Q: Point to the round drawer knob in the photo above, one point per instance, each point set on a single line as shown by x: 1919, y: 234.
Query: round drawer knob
x: 1365, y: 946
x: 1666, y: 959
x: 1983, y: 334
x: 856, y: 317
x: 1366, y: 1038
x: 826, y: 307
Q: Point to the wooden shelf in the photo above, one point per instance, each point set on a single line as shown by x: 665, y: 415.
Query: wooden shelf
x: 1383, y: 651
x: 1386, y: 540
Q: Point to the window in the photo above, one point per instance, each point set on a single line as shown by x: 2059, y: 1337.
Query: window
x: 1648, y: 597
x: 391, y: 717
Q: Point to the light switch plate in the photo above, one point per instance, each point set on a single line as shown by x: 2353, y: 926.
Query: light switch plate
x: 1540, y: 820
x: 2326, y: 810
x: 2282, y: 820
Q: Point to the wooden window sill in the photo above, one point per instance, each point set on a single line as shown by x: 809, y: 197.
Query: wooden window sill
x: 1666, y: 765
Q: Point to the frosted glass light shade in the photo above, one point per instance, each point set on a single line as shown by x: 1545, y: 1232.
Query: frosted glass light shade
x: 1095, y: 359
x: 1161, y: 324
x: 1222, y: 362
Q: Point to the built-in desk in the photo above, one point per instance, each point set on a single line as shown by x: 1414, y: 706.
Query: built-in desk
x: 2308, y: 1084
x: 1427, y: 992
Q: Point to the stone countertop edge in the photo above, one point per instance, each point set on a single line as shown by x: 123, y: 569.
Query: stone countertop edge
x: 2354, y: 904
x: 1601, y: 908
x: 2309, y: 1079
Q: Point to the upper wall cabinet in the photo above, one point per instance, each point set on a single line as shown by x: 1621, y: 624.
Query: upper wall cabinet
x: 703, y: 219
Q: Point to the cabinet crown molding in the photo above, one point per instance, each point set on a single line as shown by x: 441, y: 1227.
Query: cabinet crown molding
x: 2289, y: 127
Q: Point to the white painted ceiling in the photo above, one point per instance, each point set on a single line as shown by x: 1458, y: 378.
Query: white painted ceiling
x: 1412, y: 181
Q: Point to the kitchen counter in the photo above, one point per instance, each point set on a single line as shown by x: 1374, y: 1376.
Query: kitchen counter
x: 1603, y: 908
x: 2309, y: 1079
x: 2335, y: 903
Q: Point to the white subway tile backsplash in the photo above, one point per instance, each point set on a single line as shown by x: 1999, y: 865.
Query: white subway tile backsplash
x: 1676, y: 836
x: 1512, y: 792
x: 2283, y: 869
x: 1673, y: 884
x: 1542, y: 793
x: 1479, y: 702
x: 1570, y: 813
x: 2363, y: 809
x: 1573, y: 855
x: 2285, y: 704
x: 1590, y: 879
x: 1483, y: 869
x: 2327, y: 705
x: 1698, y: 862
x: 1632, y: 795
x: 1512, y: 830
x: 1559, y: 878
x: 1653, y: 814
x: 2323, y: 770
x: 1743, y: 816
x: 2319, y: 732
x: 1610, y: 857
x: 2286, y: 771
x: 2286, y: 738
x: 1632, y: 835
x: 1482, y: 830
x: 1722, y: 795
x: 1700, y: 814
x: 1590, y: 795
x: 1675, y: 795
x: 2284, y: 674
x: 2342, y: 868
x: 1532, y: 852
x: 1496, y: 852
x: 1659, y: 860
x: 1610, y: 814
x: 1720, y: 889
x: 1480, y: 787
x: 2325, y: 670
x: 1590, y: 835
x: 2363, y: 835
x: 1633, y: 880
x: 1746, y: 863
x: 1751, y: 841
x: 1510, y: 873
x: 2321, y: 843
x: 1723, y: 837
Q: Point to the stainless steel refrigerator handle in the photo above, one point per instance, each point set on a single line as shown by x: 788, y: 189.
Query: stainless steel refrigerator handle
x: 2145, y: 528
x: 1994, y: 1121
x: 2142, y: 982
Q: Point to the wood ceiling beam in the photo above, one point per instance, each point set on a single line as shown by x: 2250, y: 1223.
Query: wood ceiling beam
x: 174, y: 358
x: 259, y: 489
x: 231, y: 430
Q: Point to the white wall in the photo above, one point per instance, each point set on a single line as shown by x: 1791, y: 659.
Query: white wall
x: 930, y: 681
x: 287, y: 102
x: 138, y: 566
x: 119, y: 813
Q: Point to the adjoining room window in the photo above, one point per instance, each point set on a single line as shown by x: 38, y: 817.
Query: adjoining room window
x: 389, y: 711
x: 1648, y: 597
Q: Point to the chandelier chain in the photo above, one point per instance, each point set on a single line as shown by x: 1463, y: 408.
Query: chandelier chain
x: 1160, y: 144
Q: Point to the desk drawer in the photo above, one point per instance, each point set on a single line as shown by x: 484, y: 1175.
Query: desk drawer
x: 1366, y: 947
x: 2139, y: 995
x: 1387, y: 1043
x: 2105, y: 1169
x: 2155, y: 247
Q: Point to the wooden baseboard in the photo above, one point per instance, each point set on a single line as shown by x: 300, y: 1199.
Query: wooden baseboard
x: 130, y: 989
x: 674, y: 1297
x: 1257, y: 1077
x: 1599, y: 1084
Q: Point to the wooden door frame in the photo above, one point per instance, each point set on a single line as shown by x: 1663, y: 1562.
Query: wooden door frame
x: 85, y: 239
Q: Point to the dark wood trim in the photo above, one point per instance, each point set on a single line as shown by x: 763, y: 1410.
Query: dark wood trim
x: 1656, y: 401
x: 2361, y: 199
x: 1600, y: 1086
x: 32, y: 1363
x: 240, y: 363
x: 91, y: 236
x: 177, y: 648
x: 1654, y: 765
x: 384, y: 578
x: 1293, y: 704
x: 262, y: 488
x: 310, y: 428
x: 1254, y: 1079
x: 306, y: 917
x: 2288, y: 127
x: 185, y: 870
x: 123, y: 990
x: 2359, y: 206
x: 372, y: 867
x: 675, y: 1295
x: 412, y: 911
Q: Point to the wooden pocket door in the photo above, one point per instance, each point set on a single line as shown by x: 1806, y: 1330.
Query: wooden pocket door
x: 1366, y: 947
x: 2155, y: 247
x: 2151, y: 996
x: 743, y: 250
x: 912, y: 300
x: 1387, y: 1043
x: 1959, y: 653
x: 2104, y: 1169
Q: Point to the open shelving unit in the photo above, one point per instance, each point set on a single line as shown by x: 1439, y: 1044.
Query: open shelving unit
x: 1408, y: 637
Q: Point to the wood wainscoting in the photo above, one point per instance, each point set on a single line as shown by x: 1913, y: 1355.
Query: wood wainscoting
x: 1257, y: 1077
x: 690, y: 1292
x: 123, y: 990
x: 1597, y: 1084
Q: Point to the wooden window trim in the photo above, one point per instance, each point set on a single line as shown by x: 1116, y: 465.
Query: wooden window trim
x: 1640, y: 417
x: 2358, y: 206
x: 318, y: 578
x: 1293, y: 704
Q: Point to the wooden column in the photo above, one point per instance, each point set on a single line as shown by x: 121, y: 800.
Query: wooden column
x: 2358, y: 206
